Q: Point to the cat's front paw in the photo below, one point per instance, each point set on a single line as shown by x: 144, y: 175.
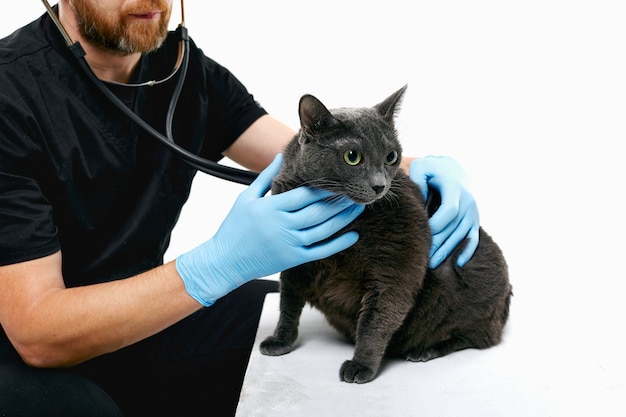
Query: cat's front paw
x: 422, y: 356
x: 352, y: 371
x: 273, y: 346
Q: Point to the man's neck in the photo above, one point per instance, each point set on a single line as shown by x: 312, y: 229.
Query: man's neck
x: 106, y: 65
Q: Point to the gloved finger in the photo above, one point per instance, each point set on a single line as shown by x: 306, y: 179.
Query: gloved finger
x: 447, y: 212
x: 298, y: 198
x: 418, y: 173
x: 442, y: 234
x: 323, y: 230
x: 330, y: 247
x: 451, y: 237
x: 318, y: 212
x: 261, y: 185
x: 470, y: 248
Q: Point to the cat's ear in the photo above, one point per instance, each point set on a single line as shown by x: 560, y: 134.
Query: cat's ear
x: 314, y: 118
x: 388, y: 107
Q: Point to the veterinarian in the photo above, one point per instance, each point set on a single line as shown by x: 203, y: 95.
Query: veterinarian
x: 93, y: 322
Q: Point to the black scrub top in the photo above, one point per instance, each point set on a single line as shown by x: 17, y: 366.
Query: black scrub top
x: 77, y: 176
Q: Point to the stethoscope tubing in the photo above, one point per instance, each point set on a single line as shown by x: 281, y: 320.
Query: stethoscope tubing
x: 202, y: 164
x: 207, y: 166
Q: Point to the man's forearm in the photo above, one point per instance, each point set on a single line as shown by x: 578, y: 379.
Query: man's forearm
x: 71, y: 325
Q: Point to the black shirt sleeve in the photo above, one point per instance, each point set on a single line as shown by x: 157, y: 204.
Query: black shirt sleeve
x: 232, y: 110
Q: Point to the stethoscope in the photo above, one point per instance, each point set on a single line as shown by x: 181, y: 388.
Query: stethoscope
x: 202, y: 164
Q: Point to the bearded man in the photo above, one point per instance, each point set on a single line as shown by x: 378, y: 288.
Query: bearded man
x: 93, y: 322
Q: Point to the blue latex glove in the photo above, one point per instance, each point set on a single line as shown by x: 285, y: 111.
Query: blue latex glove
x: 457, y: 217
x: 263, y: 235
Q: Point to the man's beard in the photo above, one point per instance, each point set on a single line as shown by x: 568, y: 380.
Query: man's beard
x: 116, y: 35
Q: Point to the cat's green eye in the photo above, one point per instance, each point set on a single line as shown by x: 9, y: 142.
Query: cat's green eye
x: 392, y: 158
x: 353, y: 157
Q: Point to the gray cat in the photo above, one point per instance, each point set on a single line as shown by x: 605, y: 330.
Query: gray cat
x: 379, y: 293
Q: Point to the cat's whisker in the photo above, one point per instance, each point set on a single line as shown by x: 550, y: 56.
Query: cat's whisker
x: 328, y: 184
x: 335, y: 198
x: 392, y: 197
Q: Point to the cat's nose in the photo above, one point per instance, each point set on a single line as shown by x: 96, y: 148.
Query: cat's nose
x: 378, y: 189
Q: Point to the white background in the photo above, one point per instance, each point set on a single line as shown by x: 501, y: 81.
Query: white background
x: 530, y: 96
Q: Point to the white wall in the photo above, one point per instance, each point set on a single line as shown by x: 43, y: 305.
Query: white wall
x: 530, y: 96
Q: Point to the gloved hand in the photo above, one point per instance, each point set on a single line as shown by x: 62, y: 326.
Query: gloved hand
x: 457, y: 217
x: 265, y: 235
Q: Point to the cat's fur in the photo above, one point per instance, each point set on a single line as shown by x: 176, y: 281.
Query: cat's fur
x: 379, y: 293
